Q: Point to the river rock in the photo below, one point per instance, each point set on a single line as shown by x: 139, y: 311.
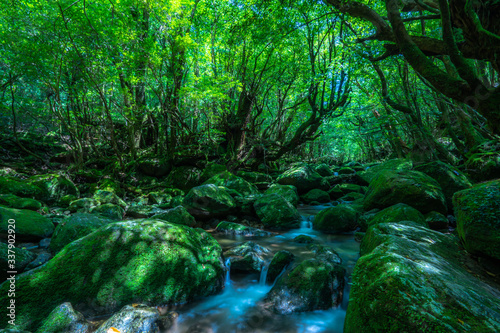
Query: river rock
x: 337, y: 219
x: 413, y: 188
x: 207, y: 201
x: 13, y: 201
x: 396, y: 213
x: 289, y: 192
x: 137, y: 318
x: 478, y: 218
x: 398, y: 164
x: 107, y: 197
x: 316, y: 195
x: 177, y: 215
x: 247, y: 257
x: 65, y: 319
x: 323, y: 170
x: 110, y: 211
x: 304, y: 178
x: 150, y: 262
x: 30, y: 226
x: 279, y: 262
x: 411, y: 279
x: 20, y: 188
x: 233, y: 182
x: 230, y: 228
x: 83, y: 205
x: 436, y: 221
x: 276, y: 212
x: 54, y: 187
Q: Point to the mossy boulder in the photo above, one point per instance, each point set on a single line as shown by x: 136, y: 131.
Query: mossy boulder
x: 230, y: 228
x: 136, y: 318
x: 337, y: 219
x: 254, y: 177
x: 75, y: 227
x: 323, y: 170
x: 29, y: 225
x: 436, y: 221
x: 54, y: 187
x: 185, y: 177
x: 346, y: 171
x: 108, y: 197
x: 281, y: 260
x: 478, y: 218
x: 304, y: 239
x: 233, y: 182
x: 316, y: 195
x: 396, y: 213
x: 276, y: 212
x: 20, y: 188
x: 304, y: 178
x: 411, y: 279
x: 65, y: 319
x: 110, y: 211
x: 312, y: 285
x: 177, y: 215
x: 484, y: 161
x: 209, y: 200
x: 13, y: 201
x: 151, y: 262
x: 289, y: 192
x: 247, y: 257
x: 83, y: 205
x: 21, y: 259
x: 210, y: 170
x: 449, y: 178
x: 139, y: 211
x: 413, y: 188
x: 398, y: 164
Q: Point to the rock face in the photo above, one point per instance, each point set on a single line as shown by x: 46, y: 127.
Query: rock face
x: 29, y: 225
x: 396, y: 213
x: 231, y: 228
x: 304, y: 178
x: 478, y: 218
x: 247, y: 257
x: 316, y: 195
x: 449, y: 178
x: 289, y: 192
x: 233, y: 182
x: 209, y: 201
x: 137, y: 318
x: 411, y: 279
x: 338, y: 219
x: 65, y: 319
x: 279, y: 262
x: 74, y: 227
x: 151, y: 262
x: 413, y: 188
x: 276, y: 213
x: 177, y: 215
x: 312, y: 285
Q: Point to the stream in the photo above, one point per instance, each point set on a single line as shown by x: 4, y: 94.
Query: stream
x: 223, y: 313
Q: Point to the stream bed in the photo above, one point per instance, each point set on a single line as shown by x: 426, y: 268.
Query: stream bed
x: 225, y: 312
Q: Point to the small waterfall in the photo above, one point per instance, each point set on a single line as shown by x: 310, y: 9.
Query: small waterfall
x: 263, y: 273
x: 228, y: 271
x: 306, y: 223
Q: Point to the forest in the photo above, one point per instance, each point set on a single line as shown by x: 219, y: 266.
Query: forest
x: 295, y: 166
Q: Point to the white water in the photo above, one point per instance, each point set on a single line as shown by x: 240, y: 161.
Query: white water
x: 224, y: 313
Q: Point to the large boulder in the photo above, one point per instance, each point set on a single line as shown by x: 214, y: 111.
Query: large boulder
x: 232, y: 182
x: 478, y: 218
x: 236, y: 229
x: 449, y: 178
x: 110, y: 211
x: 254, y: 177
x: 413, y: 188
x: 65, y: 319
x: 396, y: 213
x: 151, y: 262
x: 281, y: 260
x: 108, y: 197
x: 185, y: 177
x: 276, y: 212
x: 337, y: 219
x: 316, y: 195
x: 209, y: 201
x: 247, y: 257
x: 75, y: 227
x: 411, y: 279
x: 177, y: 215
x: 21, y: 188
x: 17, y: 259
x: 13, y: 201
x: 54, y: 187
x: 323, y: 170
x: 304, y: 178
x: 136, y: 318
x: 29, y: 225
x: 210, y: 170
x: 289, y: 192
x: 398, y: 164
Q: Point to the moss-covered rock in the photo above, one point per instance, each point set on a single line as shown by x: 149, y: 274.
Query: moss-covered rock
x: 410, y: 279
x: 449, y: 178
x: 65, y: 319
x: 337, y: 219
x: 352, y: 196
x: 346, y: 171
x: 66, y: 200
x: 289, y: 192
x: 398, y: 164
x: 436, y: 221
x: 276, y: 212
x: 304, y: 178
x: 20, y: 258
x: 323, y: 170
x: 233, y: 182
x: 312, y: 285
x: 136, y: 318
x: 280, y: 261
x: 484, y: 161
x: 151, y: 262
x: 254, y: 177
x: 54, y: 187
x: 155, y: 167
x: 185, y: 177
x: 316, y: 195
x: 304, y: 239
x: 413, y: 188
x: 247, y: 257
x: 29, y: 225
x: 109, y: 211
x: 142, y: 211
x: 396, y: 213
x: 107, y: 197
x: 478, y: 218
x: 210, y: 170
x: 230, y: 228
x: 83, y: 205
x: 177, y: 215
x: 209, y: 201
x: 13, y: 201
x: 75, y: 227
x: 325, y: 253
x: 20, y: 188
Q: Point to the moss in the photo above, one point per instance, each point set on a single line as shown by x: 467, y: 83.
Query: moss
x: 54, y: 187
x: 13, y: 201
x: 177, y: 215
x: 279, y: 262
x: 338, y: 219
x: 65, y: 319
x: 289, y: 192
x: 209, y: 200
x: 233, y: 182
x: 397, y: 213
x: 20, y: 188
x: 151, y: 262
x: 109, y: 211
x: 22, y: 259
x: 398, y: 164
x: 29, y: 225
x: 276, y: 213
x: 316, y: 195
x: 304, y: 178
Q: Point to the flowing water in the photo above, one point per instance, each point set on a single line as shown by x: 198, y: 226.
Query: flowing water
x: 224, y: 313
